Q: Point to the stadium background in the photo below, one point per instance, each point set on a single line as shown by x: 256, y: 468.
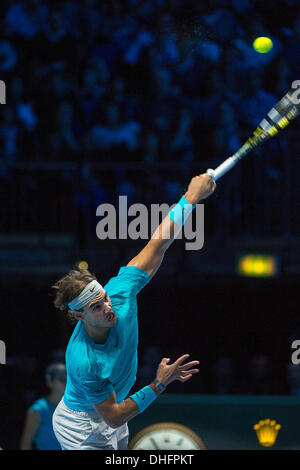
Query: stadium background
x: 133, y: 98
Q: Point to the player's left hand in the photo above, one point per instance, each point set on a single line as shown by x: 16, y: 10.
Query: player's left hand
x: 168, y: 373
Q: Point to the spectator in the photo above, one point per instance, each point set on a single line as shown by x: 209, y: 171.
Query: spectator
x: 26, y: 19
x: 183, y: 140
x: 63, y: 139
x: 38, y: 432
x: 8, y: 56
x: 256, y: 101
x: 226, y: 138
x: 151, y: 147
x: 114, y: 132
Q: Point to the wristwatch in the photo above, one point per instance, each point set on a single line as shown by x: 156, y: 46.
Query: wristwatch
x: 159, y: 385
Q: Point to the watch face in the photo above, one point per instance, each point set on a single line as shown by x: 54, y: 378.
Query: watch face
x: 160, y: 387
x: 166, y: 436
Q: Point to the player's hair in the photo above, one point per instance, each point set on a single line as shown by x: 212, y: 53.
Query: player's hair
x: 69, y: 287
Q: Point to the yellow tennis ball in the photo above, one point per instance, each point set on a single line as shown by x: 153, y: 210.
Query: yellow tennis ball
x: 82, y: 265
x: 262, y: 44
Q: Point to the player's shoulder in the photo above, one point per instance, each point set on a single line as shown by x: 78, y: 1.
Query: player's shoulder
x: 81, y: 358
x: 79, y: 350
x: 77, y: 337
x: 128, y: 280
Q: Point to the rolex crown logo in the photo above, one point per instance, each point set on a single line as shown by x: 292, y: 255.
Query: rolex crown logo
x: 266, y: 431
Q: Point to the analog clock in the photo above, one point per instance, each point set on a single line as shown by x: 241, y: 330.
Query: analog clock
x: 166, y: 436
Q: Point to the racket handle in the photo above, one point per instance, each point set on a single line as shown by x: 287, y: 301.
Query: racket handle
x: 221, y: 169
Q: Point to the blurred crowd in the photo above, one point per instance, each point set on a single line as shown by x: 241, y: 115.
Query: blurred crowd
x: 139, y: 80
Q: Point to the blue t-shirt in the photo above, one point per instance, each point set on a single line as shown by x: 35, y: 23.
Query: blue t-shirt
x: 95, y: 370
x: 45, y: 438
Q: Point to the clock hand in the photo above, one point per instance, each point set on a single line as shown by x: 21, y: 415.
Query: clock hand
x: 154, y: 443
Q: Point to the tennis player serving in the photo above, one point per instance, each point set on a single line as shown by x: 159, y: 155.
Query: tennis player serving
x: 101, y: 357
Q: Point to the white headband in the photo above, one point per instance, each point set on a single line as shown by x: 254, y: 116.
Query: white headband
x: 85, y: 296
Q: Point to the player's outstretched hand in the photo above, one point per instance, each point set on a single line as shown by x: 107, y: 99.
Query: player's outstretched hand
x: 200, y: 187
x: 167, y: 373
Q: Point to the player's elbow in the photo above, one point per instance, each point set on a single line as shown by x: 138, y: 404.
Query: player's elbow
x: 114, y: 421
x: 111, y: 415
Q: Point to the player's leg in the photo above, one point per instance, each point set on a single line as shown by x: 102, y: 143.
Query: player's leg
x: 122, y: 437
x: 101, y: 436
x: 70, y: 427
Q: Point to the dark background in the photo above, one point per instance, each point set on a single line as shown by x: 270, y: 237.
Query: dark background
x: 134, y: 98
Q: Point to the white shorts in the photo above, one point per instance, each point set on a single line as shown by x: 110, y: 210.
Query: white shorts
x: 86, y: 430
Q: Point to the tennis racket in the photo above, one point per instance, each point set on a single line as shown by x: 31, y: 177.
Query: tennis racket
x: 277, y: 119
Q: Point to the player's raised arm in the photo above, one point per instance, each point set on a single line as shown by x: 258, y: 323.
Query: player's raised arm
x: 151, y: 256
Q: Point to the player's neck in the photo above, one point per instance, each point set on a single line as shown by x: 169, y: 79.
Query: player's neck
x: 99, y: 336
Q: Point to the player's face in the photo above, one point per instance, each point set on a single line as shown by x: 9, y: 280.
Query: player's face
x: 99, y: 311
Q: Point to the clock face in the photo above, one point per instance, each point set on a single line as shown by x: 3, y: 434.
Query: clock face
x: 166, y: 436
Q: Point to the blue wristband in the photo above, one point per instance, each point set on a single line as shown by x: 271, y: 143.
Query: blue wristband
x: 181, y: 211
x: 144, y: 398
